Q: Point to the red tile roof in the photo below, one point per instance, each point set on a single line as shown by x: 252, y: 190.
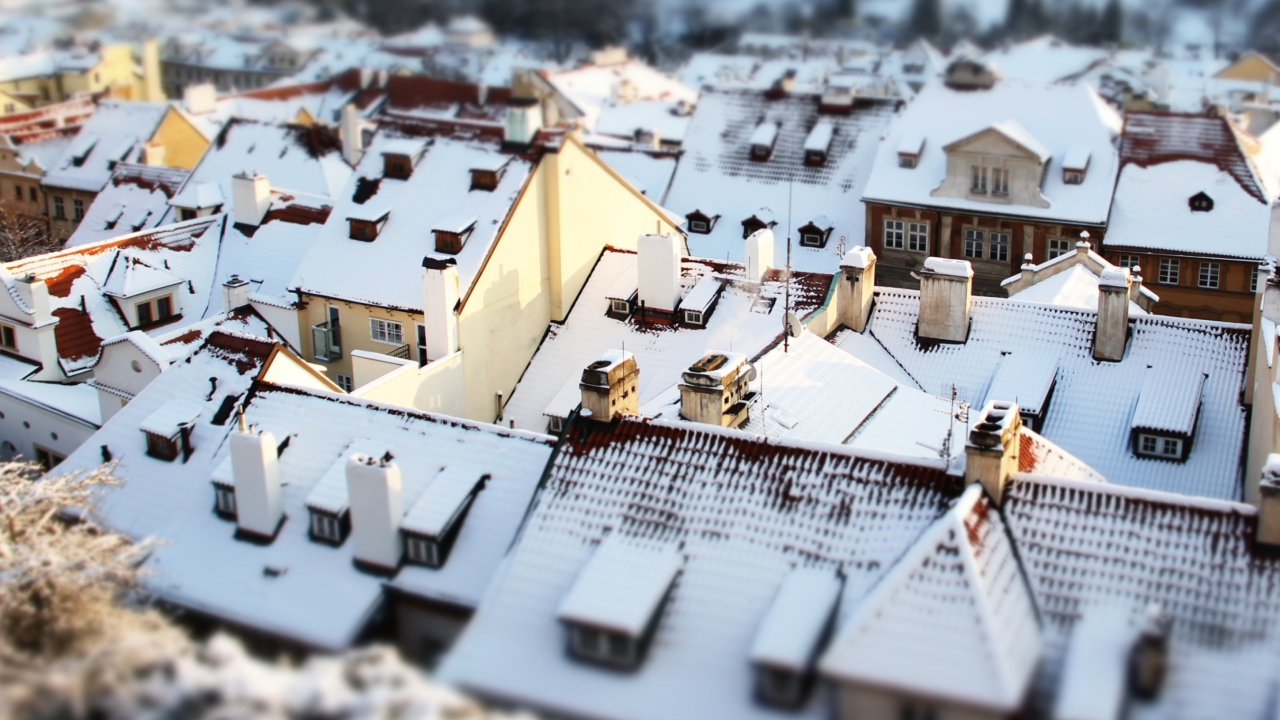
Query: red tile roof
x: 1152, y: 138
x: 74, y: 334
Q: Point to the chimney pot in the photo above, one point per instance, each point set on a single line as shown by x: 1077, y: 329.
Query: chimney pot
x: 524, y: 120
x: 439, y: 299
x: 255, y: 468
x: 1112, y: 328
x: 658, y: 258
x: 377, y: 507
x: 713, y: 388
x: 760, y: 251
x: 946, y: 291
x: 250, y: 198
x: 991, y: 454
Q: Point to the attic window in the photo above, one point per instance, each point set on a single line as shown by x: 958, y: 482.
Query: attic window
x: 762, y: 141
x: 754, y: 224
x: 487, y: 180
x: 452, y: 233
x: 367, y: 228
x: 1164, y: 422
x: 224, y: 495
x: 329, y: 528
x: 816, y: 233
x: 168, y: 430
x: 1075, y: 164
x: 700, y: 222
x: 611, y: 611
x: 818, y: 144
x: 701, y: 301
x: 433, y: 523
x: 1073, y: 177
x: 909, y: 149
x: 1200, y: 202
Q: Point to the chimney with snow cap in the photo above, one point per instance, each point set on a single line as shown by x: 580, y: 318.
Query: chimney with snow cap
x: 1269, y: 504
x: 374, y: 494
x: 658, y: 260
x: 255, y: 468
x: 759, y: 246
x: 200, y: 99
x: 610, y: 386
x: 713, y: 389
x: 857, y: 287
x: 992, y: 448
x: 351, y: 134
x: 250, y: 198
x: 439, y: 306
x: 946, y: 290
x: 1112, y: 327
x: 235, y: 293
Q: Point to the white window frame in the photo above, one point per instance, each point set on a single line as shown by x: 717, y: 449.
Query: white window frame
x: 918, y: 237
x: 978, y: 180
x: 975, y: 243
x: 1057, y: 247
x: 1253, y: 282
x: 1169, y: 271
x: 1159, y: 446
x: 346, y: 382
x: 1003, y: 246
x: 693, y: 316
x: 895, y: 234
x: 326, y: 526
x: 620, y: 306
x: 698, y: 226
x: 1000, y: 181
x: 1210, y: 275
x: 225, y: 499
x: 385, y: 331
x: 1130, y: 261
x: 811, y: 239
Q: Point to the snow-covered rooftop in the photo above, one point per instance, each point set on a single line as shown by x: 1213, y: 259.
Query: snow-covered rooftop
x: 135, y: 199
x: 115, y: 134
x: 622, y: 585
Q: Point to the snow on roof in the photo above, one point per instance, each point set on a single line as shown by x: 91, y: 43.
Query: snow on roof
x: 1169, y: 400
x: 595, y: 88
x: 135, y: 199
x: 199, y: 195
x: 116, y: 133
x: 438, y: 507
x: 622, y: 585
x: 131, y: 276
x: 1077, y: 157
x: 1152, y: 210
x: 170, y: 418
x: 948, y: 266
x: 1044, y: 59
x: 911, y: 144
x: 661, y: 116
x: 791, y: 632
x: 458, y: 222
x: 1156, y: 138
x: 1076, y: 287
x: 1096, y: 665
x: 200, y: 564
x: 77, y: 400
x: 1014, y: 130
x: 650, y: 173
x: 704, y: 292
x: 717, y: 176
x: 269, y: 255
x: 439, y: 186
x: 1050, y: 121
x: 953, y: 619
x: 1092, y: 402
x: 764, y: 134
x: 819, y: 138
x: 662, y: 355
x: 745, y: 526
x: 1025, y: 378
x: 330, y: 493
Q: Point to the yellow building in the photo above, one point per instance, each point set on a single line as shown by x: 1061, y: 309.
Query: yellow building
x: 50, y: 76
x: 1252, y: 66
x: 446, y: 260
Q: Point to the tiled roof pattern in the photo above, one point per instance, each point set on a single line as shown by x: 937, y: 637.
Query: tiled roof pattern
x: 1151, y: 138
x: 1093, y: 401
x: 74, y: 334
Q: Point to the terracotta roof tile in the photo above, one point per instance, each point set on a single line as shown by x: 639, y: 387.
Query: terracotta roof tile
x: 1150, y: 139
x: 74, y: 334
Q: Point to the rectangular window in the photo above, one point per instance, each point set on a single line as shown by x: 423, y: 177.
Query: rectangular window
x: 344, y: 381
x: 697, y: 226
x: 999, y: 246
x: 811, y: 240
x: 386, y: 331
x: 1168, y: 271
x: 59, y: 208
x: 978, y: 183
x: 47, y: 458
x: 159, y: 446
x: 1130, y: 261
x: 1209, y: 273
x: 999, y: 181
x: 325, y: 526
x: 1058, y: 246
x: 144, y: 313
x: 1253, y: 281
x: 17, y: 189
x: 1073, y: 177
x: 893, y: 234
x: 693, y: 317
x: 622, y: 307
x: 8, y: 337
x: 77, y: 207
x: 973, y: 243
x: 421, y: 551
x: 164, y: 307
x: 225, y: 499
x: 422, y: 345
x: 906, y: 161
x: 1159, y: 446
x: 32, y: 193
x: 918, y: 237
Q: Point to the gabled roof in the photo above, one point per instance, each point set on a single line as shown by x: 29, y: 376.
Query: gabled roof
x: 131, y: 276
x: 1013, y: 131
x: 953, y: 619
x: 116, y: 133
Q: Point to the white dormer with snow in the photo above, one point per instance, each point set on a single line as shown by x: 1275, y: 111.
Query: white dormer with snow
x: 27, y: 322
x: 198, y: 199
x: 1168, y: 411
x: 1003, y: 164
x: 762, y: 141
x: 146, y: 295
x: 400, y: 156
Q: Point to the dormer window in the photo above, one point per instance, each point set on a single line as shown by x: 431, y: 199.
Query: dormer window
x: 816, y: 233
x: 622, y: 296
x: 168, y: 431
x: 1164, y: 422
x: 156, y: 310
x: 397, y: 166
x: 697, y: 306
x: 328, y: 527
x: 756, y: 223
x: 1200, y: 202
x: 1073, y: 177
x: 452, y: 233
x: 1075, y: 163
x: 329, y: 513
x: 818, y: 144
x: 366, y: 227
x: 432, y: 525
x: 908, y: 161
x: 700, y: 222
x: 603, y: 631
x: 224, y: 498
x: 486, y: 174
x: 400, y: 156
x: 791, y: 635
x: 762, y: 140
x: 8, y: 337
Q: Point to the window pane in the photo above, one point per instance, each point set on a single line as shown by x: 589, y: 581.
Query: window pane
x: 973, y: 243
x: 918, y: 238
x: 999, y: 246
x: 893, y: 234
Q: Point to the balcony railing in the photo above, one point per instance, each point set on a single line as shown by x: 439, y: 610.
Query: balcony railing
x: 326, y: 339
x: 401, y: 352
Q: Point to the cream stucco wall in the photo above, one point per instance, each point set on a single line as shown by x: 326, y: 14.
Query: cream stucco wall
x: 991, y: 149
x: 184, y: 145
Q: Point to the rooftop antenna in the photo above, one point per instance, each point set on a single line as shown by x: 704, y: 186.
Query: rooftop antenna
x: 786, y: 330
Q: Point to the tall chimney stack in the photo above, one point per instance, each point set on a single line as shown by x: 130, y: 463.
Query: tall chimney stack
x: 993, y: 446
x: 946, y: 290
x: 235, y: 293
x: 351, y: 134
x: 610, y: 386
x: 250, y: 198
x: 439, y: 303
x: 374, y: 494
x: 658, y: 258
x: 1112, y: 328
x: 856, y: 289
x: 760, y: 247
x: 255, y: 467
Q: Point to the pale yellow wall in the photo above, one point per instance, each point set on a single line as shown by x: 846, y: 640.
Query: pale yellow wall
x: 1250, y: 67
x: 354, y: 319
x: 304, y: 118
x: 44, y: 88
x: 438, y: 387
x: 18, y: 104
x: 184, y: 145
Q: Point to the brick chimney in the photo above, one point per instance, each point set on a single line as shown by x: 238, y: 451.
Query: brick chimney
x: 713, y: 388
x: 374, y: 494
x: 250, y: 198
x: 991, y: 452
x: 658, y: 262
x: 856, y: 289
x: 255, y: 468
x: 759, y: 247
x: 610, y: 386
x: 439, y: 306
x: 1112, y: 328
x: 946, y: 290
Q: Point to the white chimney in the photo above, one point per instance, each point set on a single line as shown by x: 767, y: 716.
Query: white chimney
x: 759, y: 254
x: 946, y: 289
x: 857, y: 288
x: 1112, y: 328
x: 35, y: 295
x: 439, y: 303
x: 373, y: 492
x: 658, y: 260
x: 993, y: 447
x: 351, y: 134
x: 524, y: 120
x: 255, y: 467
x: 235, y: 293
x: 153, y: 154
x: 250, y: 198
x: 200, y: 99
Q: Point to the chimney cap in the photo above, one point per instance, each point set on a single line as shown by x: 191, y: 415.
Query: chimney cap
x: 947, y: 266
x: 859, y: 257
x: 235, y: 281
x: 1114, y: 277
x: 435, y: 263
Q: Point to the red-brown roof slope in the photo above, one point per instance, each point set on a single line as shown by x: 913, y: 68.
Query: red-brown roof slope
x: 1151, y: 139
